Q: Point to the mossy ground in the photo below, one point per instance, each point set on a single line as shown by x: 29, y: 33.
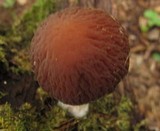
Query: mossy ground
x: 105, y: 114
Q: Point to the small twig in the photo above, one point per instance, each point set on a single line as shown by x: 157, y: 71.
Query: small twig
x: 66, y: 125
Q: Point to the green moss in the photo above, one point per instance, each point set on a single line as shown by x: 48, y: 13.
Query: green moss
x: 115, y: 117
x: 14, y: 41
x: 8, y: 3
x: 26, y: 25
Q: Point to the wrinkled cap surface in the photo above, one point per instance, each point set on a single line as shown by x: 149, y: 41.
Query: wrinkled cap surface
x: 79, y: 55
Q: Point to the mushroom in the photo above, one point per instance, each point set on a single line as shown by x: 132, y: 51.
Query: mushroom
x: 79, y: 55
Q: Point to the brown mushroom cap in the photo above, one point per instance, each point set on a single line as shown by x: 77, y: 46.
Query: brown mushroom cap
x: 79, y: 55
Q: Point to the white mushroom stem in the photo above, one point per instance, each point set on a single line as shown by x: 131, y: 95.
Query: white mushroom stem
x: 22, y: 2
x: 77, y: 111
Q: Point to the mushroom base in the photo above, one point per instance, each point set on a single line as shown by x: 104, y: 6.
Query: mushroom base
x: 77, y: 111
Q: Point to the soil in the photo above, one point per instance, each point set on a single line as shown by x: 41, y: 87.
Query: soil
x: 144, y: 72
